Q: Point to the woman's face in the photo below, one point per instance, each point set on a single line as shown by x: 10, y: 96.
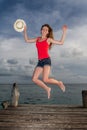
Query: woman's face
x: 44, y: 31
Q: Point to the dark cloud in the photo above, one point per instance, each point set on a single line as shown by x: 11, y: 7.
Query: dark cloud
x: 7, y: 6
x: 5, y: 74
x: 76, y: 52
x: 32, y: 61
x: 73, y: 52
x: 12, y: 61
x: 36, y: 13
x: 78, y: 69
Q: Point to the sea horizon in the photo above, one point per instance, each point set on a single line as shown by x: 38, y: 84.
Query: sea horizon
x: 32, y: 94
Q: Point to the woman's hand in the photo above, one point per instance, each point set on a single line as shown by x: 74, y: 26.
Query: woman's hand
x: 64, y: 27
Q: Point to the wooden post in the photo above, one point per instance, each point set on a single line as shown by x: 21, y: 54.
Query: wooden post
x: 84, y: 98
x: 15, y: 95
x: 14, y: 98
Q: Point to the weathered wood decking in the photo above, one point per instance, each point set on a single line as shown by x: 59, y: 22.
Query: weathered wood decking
x: 43, y: 117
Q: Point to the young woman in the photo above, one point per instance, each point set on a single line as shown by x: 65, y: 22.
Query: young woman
x: 43, y: 44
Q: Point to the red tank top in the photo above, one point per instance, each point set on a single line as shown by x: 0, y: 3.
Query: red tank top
x: 42, y: 49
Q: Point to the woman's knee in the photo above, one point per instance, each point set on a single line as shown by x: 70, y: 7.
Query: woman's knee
x: 45, y: 80
x: 34, y: 79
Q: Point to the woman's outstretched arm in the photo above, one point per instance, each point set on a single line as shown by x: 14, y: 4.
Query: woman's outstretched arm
x: 27, y: 39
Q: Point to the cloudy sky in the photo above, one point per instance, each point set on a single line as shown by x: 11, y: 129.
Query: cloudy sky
x: 18, y: 59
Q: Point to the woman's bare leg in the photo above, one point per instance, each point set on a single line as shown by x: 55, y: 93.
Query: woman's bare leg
x: 46, y: 72
x: 36, y: 74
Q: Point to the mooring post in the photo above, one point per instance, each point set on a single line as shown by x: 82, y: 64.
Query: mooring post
x: 15, y: 95
x: 84, y: 98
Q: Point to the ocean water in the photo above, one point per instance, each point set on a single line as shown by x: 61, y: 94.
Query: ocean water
x: 32, y: 94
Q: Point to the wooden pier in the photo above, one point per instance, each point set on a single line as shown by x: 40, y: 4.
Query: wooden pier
x: 43, y: 117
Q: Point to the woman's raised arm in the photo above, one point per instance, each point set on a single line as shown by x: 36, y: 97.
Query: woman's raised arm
x: 27, y: 39
x: 61, y: 41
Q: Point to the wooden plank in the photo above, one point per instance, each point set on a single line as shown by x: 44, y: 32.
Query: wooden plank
x: 43, y: 117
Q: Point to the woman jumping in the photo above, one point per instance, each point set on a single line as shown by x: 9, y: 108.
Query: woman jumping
x: 43, y: 44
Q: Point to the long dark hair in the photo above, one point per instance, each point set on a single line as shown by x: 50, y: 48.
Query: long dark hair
x: 50, y: 34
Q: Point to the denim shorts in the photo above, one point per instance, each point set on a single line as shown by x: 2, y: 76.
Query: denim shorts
x: 43, y: 62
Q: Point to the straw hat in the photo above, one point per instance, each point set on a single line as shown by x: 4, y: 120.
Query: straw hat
x: 19, y: 25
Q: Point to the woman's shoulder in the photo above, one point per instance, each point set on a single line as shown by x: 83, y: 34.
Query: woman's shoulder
x: 49, y: 39
x: 37, y: 38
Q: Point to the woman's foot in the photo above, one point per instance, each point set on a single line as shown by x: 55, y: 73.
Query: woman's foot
x: 61, y: 85
x: 48, y: 92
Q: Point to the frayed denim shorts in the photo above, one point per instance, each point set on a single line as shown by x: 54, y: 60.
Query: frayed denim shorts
x: 43, y: 62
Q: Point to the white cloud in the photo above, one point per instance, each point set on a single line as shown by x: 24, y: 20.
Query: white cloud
x: 70, y: 59
x: 75, y: 43
x: 19, y: 58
